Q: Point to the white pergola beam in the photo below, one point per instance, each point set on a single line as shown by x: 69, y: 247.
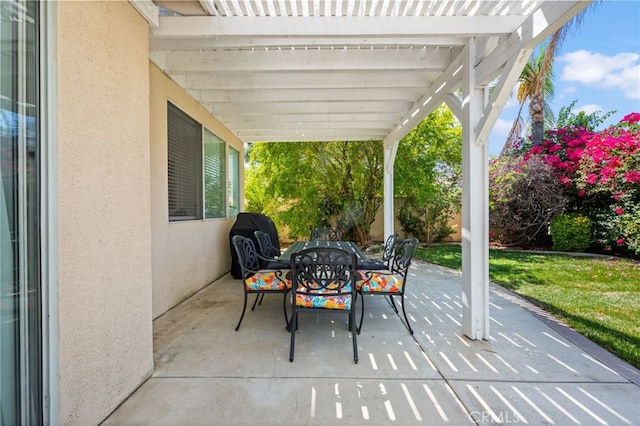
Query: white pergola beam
x: 341, y: 26
x: 475, y: 209
x: 326, y: 79
x: 303, y: 60
x: 209, y: 6
x: 318, y: 135
x: 175, y: 44
x: 537, y: 27
x: 508, y: 79
x: 306, y: 95
x: 446, y: 83
x: 326, y: 120
x: 148, y: 10
x: 309, y: 107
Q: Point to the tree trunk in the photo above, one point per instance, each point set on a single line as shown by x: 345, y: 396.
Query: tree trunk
x: 536, y: 110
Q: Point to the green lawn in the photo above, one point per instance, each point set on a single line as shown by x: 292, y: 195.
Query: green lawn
x: 598, y: 297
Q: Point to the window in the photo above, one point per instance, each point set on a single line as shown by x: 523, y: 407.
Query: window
x: 184, y: 165
x: 22, y: 389
x: 234, y: 182
x: 197, y: 171
x: 215, y: 200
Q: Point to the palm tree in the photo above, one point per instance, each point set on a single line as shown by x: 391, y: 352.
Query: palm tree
x: 536, y: 84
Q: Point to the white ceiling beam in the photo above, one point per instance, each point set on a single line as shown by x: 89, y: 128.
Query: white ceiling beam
x: 148, y: 10
x: 202, y: 43
x: 289, y: 120
x: 309, y: 95
x: 302, y: 80
x: 318, y: 135
x: 301, y: 60
x: 537, y: 27
x: 434, y: 96
x: 209, y: 7
x: 508, y: 79
x: 309, y: 107
x: 343, y: 26
x: 379, y: 126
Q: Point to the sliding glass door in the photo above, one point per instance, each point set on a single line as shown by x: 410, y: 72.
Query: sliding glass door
x: 20, y: 284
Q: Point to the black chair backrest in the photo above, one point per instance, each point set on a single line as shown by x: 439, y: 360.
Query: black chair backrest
x: 326, y: 234
x: 389, y: 248
x: 265, y: 244
x: 247, y: 254
x: 324, y: 271
x: 402, y: 257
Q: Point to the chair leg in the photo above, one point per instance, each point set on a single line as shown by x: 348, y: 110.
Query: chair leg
x: 244, y: 308
x: 392, y: 302
x: 284, y: 307
x: 406, y: 320
x: 256, y: 301
x: 292, y: 329
x: 352, y: 318
x: 359, y: 329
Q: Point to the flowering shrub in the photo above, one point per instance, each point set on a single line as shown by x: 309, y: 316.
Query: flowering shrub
x: 524, y: 196
x: 600, y: 173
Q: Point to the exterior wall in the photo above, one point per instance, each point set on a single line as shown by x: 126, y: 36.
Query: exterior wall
x: 186, y: 255
x: 104, y: 260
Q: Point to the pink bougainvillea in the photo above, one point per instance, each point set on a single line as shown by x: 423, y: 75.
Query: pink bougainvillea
x: 597, y: 166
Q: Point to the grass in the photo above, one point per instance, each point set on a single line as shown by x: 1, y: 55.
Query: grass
x: 598, y: 297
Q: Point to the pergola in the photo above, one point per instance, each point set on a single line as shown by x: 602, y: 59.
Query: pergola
x: 325, y: 70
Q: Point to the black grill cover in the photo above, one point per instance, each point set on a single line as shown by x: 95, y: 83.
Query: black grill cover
x: 246, y: 224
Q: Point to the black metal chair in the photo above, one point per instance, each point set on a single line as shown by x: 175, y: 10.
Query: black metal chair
x: 267, y: 249
x: 389, y: 283
x: 389, y: 248
x: 257, y: 280
x: 323, y: 279
x: 326, y: 234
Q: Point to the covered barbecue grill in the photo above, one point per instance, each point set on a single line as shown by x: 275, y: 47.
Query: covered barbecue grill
x: 246, y: 224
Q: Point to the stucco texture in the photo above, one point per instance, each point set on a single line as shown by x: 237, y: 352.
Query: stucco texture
x: 104, y: 283
x: 186, y: 255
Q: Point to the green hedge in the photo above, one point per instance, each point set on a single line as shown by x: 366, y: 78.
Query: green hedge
x: 571, y: 232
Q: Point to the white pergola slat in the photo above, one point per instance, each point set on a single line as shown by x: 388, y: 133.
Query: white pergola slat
x: 325, y: 70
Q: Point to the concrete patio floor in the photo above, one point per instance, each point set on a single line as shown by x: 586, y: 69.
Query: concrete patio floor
x: 533, y: 370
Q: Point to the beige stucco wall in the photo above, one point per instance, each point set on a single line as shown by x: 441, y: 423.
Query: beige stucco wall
x: 186, y: 255
x: 104, y: 284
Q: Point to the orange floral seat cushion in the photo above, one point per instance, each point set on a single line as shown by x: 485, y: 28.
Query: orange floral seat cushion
x: 268, y: 280
x: 373, y: 282
x: 337, y: 301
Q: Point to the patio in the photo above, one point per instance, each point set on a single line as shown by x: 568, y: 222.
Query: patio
x: 532, y: 370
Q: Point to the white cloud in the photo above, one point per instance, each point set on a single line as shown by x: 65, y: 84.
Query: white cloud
x: 620, y: 72
x: 590, y: 108
x: 502, y: 127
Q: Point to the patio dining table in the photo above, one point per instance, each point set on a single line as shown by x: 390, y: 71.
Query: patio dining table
x: 363, y: 262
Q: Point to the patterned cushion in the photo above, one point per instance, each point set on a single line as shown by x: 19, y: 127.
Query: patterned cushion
x: 268, y: 280
x: 342, y: 301
x: 375, y: 281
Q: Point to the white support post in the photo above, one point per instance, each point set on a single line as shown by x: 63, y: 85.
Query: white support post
x: 389, y: 216
x: 475, y: 209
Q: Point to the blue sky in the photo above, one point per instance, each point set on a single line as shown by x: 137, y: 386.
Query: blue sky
x: 598, y: 65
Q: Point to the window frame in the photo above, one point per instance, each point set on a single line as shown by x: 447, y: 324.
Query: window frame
x: 195, y: 151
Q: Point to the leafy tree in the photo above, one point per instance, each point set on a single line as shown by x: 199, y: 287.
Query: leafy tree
x: 303, y: 185
x: 428, y: 174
